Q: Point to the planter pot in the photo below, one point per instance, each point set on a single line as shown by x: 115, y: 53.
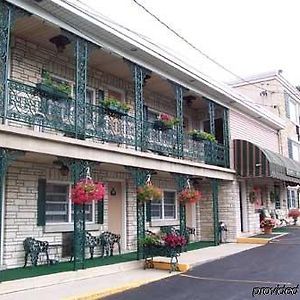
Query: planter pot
x: 197, y: 138
x: 115, y: 111
x: 268, y: 230
x: 51, y: 91
x: 162, y: 126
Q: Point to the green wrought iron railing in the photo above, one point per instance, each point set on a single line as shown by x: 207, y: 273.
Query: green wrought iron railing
x: 29, y: 105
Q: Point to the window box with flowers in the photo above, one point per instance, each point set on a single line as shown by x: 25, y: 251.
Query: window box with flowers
x: 165, y: 122
x: 53, y: 88
x: 267, y: 224
x: 115, y: 108
x: 198, y: 135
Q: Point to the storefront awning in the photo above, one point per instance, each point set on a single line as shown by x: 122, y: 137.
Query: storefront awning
x: 253, y: 161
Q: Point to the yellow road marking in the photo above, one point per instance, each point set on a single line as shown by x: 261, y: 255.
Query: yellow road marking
x: 234, y: 280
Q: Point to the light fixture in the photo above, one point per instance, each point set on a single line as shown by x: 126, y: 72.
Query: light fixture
x: 60, y: 41
x: 113, y: 192
x: 64, y: 170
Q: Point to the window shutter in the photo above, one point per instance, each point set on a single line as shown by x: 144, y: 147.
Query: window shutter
x: 288, y: 199
x: 41, y: 202
x: 290, y: 148
x: 287, y: 105
x: 100, y: 206
x: 148, y: 211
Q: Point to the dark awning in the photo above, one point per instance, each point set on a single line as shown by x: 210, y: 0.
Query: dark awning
x: 253, y: 161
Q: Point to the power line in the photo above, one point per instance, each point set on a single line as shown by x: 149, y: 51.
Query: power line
x: 201, y: 52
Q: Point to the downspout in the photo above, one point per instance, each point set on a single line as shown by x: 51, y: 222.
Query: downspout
x: 279, y: 135
x: 2, y: 222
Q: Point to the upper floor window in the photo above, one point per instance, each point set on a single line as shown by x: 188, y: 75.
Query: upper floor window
x: 293, y: 111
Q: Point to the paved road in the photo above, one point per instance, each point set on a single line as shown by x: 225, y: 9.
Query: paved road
x: 234, y: 277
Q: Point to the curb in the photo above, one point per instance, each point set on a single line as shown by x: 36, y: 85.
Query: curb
x: 111, y: 291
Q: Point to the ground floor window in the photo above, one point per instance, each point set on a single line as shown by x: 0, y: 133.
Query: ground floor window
x: 59, y: 208
x: 292, y: 198
x: 166, y: 208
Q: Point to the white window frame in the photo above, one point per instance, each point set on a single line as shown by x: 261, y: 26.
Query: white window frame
x: 289, y: 200
x: 295, y: 118
x: 163, y: 208
x: 68, y: 183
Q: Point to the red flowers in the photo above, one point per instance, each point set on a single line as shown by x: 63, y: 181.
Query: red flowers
x: 174, y: 241
x: 86, y: 191
x: 165, y: 117
x: 189, y: 195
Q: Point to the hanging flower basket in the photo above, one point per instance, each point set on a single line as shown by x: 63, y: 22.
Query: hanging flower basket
x: 149, y: 192
x: 189, y: 195
x: 86, y: 191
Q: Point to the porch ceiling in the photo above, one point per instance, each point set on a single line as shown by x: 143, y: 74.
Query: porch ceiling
x: 37, y: 31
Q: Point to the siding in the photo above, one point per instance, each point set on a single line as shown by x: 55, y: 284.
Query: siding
x: 247, y: 128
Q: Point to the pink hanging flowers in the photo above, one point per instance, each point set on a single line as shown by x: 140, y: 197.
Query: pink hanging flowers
x: 189, y: 195
x: 86, y: 190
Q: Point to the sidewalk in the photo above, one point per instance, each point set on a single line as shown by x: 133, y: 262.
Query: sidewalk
x: 100, y: 281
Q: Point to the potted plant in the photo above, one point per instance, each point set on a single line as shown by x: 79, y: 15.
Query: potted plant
x: 189, y: 195
x: 50, y: 87
x: 198, y: 135
x: 267, y: 224
x: 294, y: 213
x: 148, y: 192
x: 116, y: 108
x: 165, y: 122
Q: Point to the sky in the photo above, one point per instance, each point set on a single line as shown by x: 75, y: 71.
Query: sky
x: 247, y: 37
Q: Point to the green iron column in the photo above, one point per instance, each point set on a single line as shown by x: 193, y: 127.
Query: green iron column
x: 139, y: 176
x: 81, y: 56
x: 8, y: 14
x: 179, y: 115
x: 139, y: 75
x: 215, y: 192
x: 226, y: 138
x: 181, y: 181
x: 78, y: 170
x: 211, y: 151
x: 5, y: 27
x: 211, y: 112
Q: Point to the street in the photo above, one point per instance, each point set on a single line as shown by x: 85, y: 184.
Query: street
x: 236, y: 277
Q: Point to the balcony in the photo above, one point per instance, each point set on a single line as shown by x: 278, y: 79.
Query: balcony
x: 56, y: 114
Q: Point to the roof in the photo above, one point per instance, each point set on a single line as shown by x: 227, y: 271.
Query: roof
x: 266, y: 76
x: 252, y: 161
x: 116, y: 39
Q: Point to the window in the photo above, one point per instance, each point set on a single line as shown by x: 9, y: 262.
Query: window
x: 292, y: 198
x: 293, y: 111
x: 295, y: 149
x: 164, y: 209
x: 59, y: 208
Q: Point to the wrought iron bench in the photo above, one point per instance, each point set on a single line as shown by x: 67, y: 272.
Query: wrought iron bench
x: 33, y: 248
x: 107, y: 240
x: 90, y: 242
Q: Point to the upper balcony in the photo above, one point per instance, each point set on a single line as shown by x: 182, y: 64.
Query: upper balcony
x: 81, y: 110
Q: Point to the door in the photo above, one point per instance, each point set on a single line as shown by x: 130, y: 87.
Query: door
x: 115, y: 208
